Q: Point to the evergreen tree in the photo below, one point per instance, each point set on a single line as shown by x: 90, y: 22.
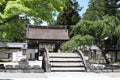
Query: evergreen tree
x: 69, y: 16
x: 112, y: 7
x: 99, y: 8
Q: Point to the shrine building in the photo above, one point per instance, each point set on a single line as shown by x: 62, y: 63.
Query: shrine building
x: 50, y: 37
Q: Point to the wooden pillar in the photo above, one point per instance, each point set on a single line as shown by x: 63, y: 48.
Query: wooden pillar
x: 37, y: 54
x: 116, y: 56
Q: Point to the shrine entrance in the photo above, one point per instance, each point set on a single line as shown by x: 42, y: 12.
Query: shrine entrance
x: 50, y: 37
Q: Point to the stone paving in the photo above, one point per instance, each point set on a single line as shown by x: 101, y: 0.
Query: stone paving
x: 60, y: 76
x: 112, y: 74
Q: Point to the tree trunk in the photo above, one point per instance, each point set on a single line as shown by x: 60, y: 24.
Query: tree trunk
x: 104, y: 54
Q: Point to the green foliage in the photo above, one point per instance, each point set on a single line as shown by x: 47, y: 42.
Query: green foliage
x: 99, y: 8
x: 117, y: 33
x: 83, y: 28
x: 93, y: 28
x: 95, y: 11
x: 77, y: 41
x: 38, y: 10
x: 69, y: 15
x: 34, y: 9
x: 15, y: 31
x: 112, y: 7
x: 112, y: 24
x: 98, y: 30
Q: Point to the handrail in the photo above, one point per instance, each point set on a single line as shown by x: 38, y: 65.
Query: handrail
x: 47, y: 66
x: 82, y: 56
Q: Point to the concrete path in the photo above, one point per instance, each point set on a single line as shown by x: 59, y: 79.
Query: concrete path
x: 58, y: 76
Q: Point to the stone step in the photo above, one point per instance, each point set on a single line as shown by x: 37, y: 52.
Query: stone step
x: 63, y: 55
x: 68, y: 69
x: 65, y: 59
x: 67, y: 64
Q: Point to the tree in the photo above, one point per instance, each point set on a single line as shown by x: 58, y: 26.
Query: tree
x: 112, y: 7
x: 117, y: 33
x: 34, y: 9
x: 82, y: 28
x: 112, y: 26
x: 11, y: 12
x: 69, y: 16
x: 14, y: 31
x: 92, y: 28
x: 98, y: 30
x: 76, y: 42
x: 95, y: 11
x: 95, y: 32
x: 99, y: 8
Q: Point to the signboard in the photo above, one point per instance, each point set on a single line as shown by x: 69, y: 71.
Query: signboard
x: 17, y: 56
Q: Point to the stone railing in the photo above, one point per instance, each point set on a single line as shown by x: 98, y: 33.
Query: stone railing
x: 46, y: 63
x: 82, y: 57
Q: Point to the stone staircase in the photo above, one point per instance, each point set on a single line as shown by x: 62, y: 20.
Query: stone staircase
x: 66, y: 62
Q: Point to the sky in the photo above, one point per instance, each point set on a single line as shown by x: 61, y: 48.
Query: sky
x: 82, y: 3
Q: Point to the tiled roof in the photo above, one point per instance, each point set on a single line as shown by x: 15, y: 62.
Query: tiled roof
x: 13, y: 45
